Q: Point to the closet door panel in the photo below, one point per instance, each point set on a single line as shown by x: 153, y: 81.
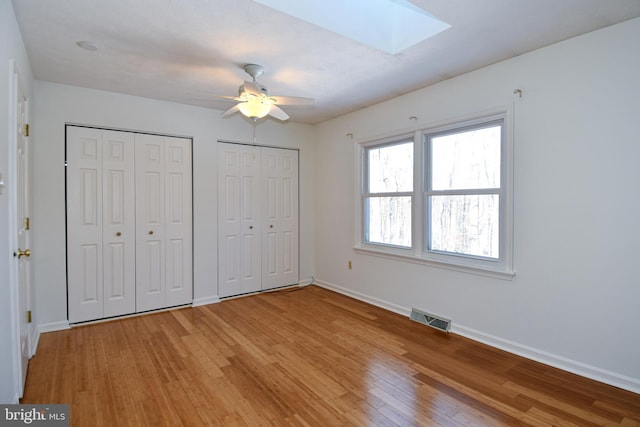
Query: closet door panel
x: 280, y: 224
x: 239, y: 262
x: 178, y: 224
x: 250, y: 224
x: 229, y: 223
x: 228, y: 220
x: 84, y: 224
x: 271, y: 245
x: 118, y: 223
x: 289, y: 216
x: 150, y: 216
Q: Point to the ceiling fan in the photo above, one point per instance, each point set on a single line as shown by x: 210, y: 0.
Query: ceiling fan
x: 255, y: 101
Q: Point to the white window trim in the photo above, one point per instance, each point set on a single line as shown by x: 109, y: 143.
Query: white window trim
x: 418, y: 254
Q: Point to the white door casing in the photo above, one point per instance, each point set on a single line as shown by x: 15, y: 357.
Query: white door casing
x: 239, y: 221
x: 280, y: 217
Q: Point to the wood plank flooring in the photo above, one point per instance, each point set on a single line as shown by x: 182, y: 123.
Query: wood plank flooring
x: 304, y: 357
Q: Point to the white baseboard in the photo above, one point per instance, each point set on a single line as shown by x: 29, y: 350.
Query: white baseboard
x: 306, y: 282
x: 560, y: 362
x: 205, y: 301
x: 366, y: 298
x: 52, y: 327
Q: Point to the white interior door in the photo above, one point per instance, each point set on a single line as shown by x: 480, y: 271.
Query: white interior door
x: 178, y: 224
x: 100, y: 223
x: 163, y: 222
x: 150, y: 219
x: 118, y: 223
x: 280, y: 217
x: 84, y: 224
x: 23, y: 239
x: 239, y: 219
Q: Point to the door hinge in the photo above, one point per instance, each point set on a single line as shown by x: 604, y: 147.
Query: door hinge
x: 27, y: 223
x: 29, y: 316
x: 26, y: 129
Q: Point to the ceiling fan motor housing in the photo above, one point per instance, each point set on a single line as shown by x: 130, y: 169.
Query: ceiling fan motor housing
x: 263, y: 89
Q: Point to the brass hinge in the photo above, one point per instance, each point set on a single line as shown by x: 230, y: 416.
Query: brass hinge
x: 26, y: 129
x: 29, y: 316
x: 27, y: 223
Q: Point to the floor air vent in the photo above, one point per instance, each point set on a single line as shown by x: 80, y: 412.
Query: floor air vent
x: 431, y: 320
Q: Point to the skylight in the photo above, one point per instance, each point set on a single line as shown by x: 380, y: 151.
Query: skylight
x: 387, y: 25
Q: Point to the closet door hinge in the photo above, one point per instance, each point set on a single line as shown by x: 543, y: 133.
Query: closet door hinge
x: 27, y: 223
x: 29, y: 316
x: 26, y: 129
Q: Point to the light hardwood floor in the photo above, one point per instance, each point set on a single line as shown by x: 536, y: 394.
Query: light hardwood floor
x: 304, y: 357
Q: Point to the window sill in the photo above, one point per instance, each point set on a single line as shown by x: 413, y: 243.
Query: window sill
x: 406, y: 256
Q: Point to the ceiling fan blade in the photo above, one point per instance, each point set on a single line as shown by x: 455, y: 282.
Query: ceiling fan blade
x: 231, y: 110
x: 278, y: 113
x: 252, y: 89
x: 222, y: 97
x: 293, y: 100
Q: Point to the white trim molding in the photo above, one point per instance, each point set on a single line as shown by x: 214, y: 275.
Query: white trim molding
x: 403, y: 311
x: 560, y: 362
x: 54, y: 326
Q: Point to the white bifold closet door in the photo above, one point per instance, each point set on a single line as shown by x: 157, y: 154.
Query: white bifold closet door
x: 279, y: 217
x: 257, y: 218
x: 163, y: 222
x: 129, y: 226
x: 100, y: 223
x: 239, y: 220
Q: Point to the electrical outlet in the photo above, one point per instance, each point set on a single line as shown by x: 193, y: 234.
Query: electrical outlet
x: 349, y: 264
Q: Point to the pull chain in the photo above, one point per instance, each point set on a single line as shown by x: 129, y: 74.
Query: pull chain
x: 255, y: 120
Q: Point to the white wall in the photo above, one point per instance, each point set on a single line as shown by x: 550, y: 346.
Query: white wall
x: 59, y: 104
x: 11, y: 48
x: 575, y: 299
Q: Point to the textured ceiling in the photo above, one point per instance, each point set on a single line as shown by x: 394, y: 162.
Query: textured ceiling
x: 187, y: 51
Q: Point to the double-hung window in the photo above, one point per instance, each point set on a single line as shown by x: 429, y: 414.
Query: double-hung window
x: 463, y: 190
x: 451, y: 207
x: 388, y: 193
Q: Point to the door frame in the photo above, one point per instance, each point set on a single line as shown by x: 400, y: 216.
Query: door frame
x: 15, y: 82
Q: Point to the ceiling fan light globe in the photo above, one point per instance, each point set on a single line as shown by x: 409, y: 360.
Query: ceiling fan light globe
x: 254, y: 109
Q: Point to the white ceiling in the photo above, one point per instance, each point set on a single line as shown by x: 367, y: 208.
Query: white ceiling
x: 187, y: 51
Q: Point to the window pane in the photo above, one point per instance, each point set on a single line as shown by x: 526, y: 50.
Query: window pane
x: 389, y: 220
x: 391, y: 168
x: 466, y: 160
x: 467, y: 224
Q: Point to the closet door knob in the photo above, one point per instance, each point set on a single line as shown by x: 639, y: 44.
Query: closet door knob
x: 150, y: 232
x: 251, y: 227
x: 271, y: 226
x: 118, y: 234
x: 20, y: 253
